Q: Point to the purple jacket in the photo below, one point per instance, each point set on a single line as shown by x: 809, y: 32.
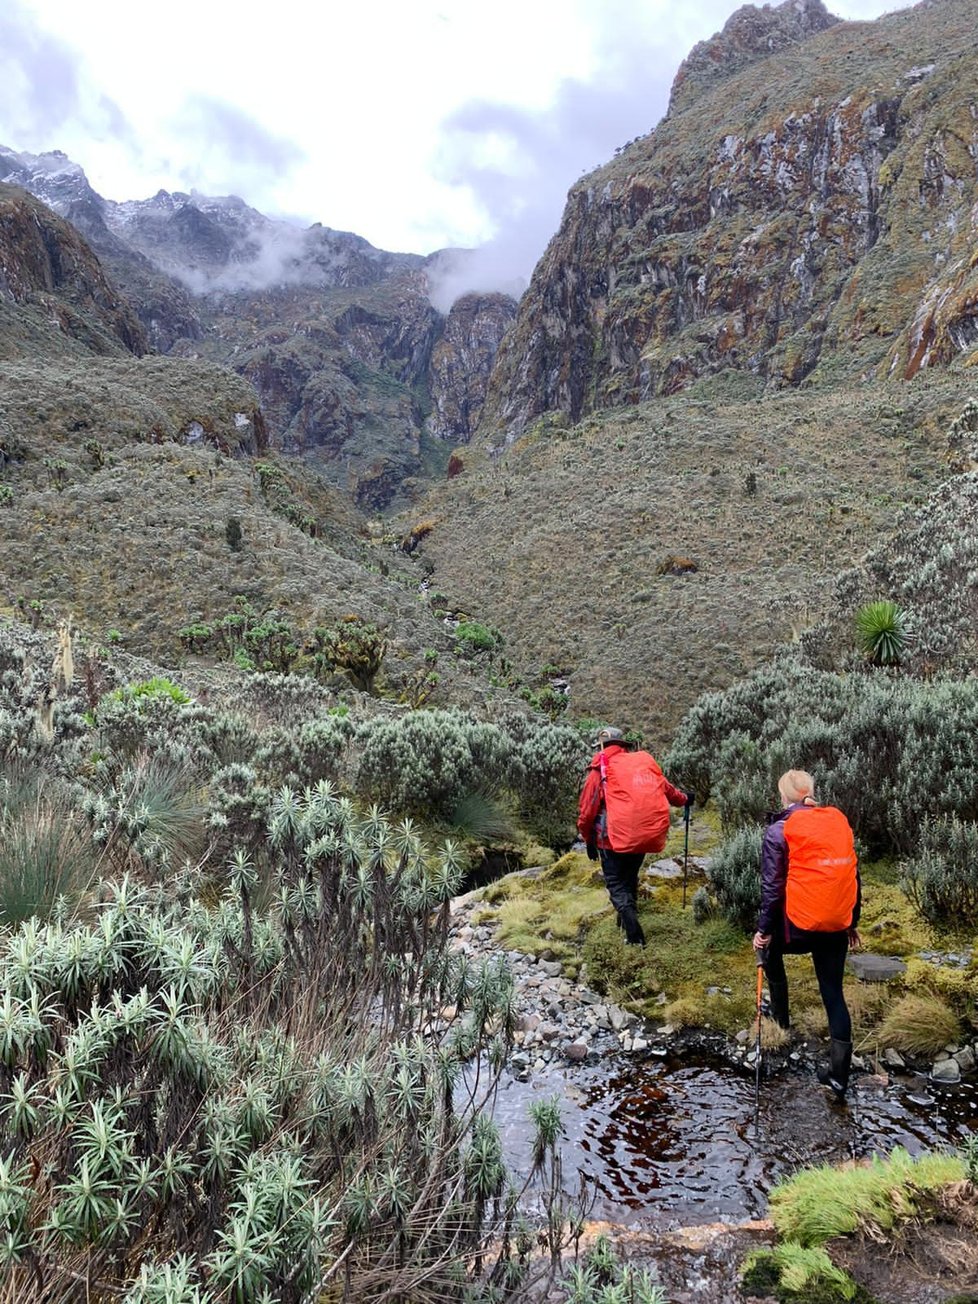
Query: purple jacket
x: 774, y: 880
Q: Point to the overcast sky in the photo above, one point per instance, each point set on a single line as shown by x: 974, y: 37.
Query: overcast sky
x: 416, y: 123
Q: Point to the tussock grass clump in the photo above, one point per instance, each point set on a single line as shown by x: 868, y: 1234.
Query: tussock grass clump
x: 46, y: 855
x: 820, y: 1203
x: 921, y: 1022
x: 810, y: 1020
x: 868, y: 1003
x: 787, y: 1270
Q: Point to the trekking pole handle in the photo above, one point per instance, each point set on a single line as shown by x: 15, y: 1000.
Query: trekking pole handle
x: 760, y: 955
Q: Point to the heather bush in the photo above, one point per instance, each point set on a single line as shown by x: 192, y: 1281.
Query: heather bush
x: 425, y: 762
x: 157, y: 724
x: 928, y: 565
x: 886, y: 749
x: 315, y: 750
x: 941, y: 878
x: 735, y: 876
x: 962, y: 439
x: 545, y: 775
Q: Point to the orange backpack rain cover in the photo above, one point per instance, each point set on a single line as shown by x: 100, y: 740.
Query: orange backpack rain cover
x: 635, y: 802
x: 821, y: 888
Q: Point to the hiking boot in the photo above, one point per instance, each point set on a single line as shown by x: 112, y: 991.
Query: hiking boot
x: 836, y: 1074
x: 628, y: 921
x: 778, y: 1003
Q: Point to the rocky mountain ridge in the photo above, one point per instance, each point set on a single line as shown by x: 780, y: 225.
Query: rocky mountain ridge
x: 805, y: 212
x: 47, y: 266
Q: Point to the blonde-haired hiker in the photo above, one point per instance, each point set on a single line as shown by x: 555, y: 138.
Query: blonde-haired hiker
x: 810, y: 903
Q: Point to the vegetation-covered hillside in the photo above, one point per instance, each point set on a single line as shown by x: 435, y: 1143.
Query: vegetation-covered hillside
x: 734, y: 364
x: 654, y: 553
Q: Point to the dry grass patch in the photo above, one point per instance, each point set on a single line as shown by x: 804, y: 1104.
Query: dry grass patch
x: 920, y: 1023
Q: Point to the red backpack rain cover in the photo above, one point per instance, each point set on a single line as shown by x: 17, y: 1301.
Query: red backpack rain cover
x: 821, y: 891
x: 635, y: 801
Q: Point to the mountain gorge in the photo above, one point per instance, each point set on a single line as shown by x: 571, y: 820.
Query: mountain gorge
x: 336, y: 336
x: 736, y: 361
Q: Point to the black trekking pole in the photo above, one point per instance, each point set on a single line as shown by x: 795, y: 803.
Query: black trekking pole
x: 685, y: 851
x: 761, y: 957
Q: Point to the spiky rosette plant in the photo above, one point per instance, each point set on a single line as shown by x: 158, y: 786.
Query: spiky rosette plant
x: 251, y: 1068
x: 883, y: 632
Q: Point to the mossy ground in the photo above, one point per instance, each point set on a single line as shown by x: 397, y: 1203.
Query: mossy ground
x: 707, y: 969
x: 832, y: 1223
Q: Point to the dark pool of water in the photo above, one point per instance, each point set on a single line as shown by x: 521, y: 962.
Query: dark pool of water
x: 667, y: 1143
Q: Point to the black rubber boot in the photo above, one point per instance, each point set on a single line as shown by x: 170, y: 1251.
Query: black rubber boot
x: 779, y: 1002
x: 628, y: 920
x: 836, y: 1075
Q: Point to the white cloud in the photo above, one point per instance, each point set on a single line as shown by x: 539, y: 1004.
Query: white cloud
x: 419, y: 124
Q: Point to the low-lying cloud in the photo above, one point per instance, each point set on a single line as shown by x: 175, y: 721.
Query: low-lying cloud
x: 230, y: 149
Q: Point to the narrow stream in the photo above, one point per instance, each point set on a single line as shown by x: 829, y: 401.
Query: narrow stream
x: 670, y: 1143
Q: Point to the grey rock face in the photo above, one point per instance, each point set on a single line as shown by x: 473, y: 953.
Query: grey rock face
x: 966, y: 1059
x: 461, y: 363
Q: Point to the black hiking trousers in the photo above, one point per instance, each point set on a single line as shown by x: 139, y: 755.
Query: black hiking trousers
x: 828, y: 952
x: 620, y: 870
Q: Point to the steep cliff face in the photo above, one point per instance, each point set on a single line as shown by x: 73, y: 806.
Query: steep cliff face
x: 45, y: 263
x: 461, y: 363
x: 806, y: 209
x: 165, y: 308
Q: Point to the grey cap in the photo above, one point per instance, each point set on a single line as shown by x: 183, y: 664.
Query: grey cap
x: 606, y: 736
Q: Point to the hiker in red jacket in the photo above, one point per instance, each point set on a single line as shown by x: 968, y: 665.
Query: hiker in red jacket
x: 623, y: 813
x: 810, y: 903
